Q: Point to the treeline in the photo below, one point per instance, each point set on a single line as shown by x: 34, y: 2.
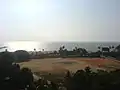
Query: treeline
x: 79, y: 52
x: 22, y: 55
x: 63, y: 52
x: 12, y: 77
x: 89, y: 80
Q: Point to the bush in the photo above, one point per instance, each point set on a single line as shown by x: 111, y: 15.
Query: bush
x: 14, y: 78
x: 22, y: 55
x: 6, y: 58
x: 88, y: 80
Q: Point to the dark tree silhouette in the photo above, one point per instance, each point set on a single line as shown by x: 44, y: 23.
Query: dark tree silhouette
x: 22, y: 55
x: 112, y: 46
x: 63, y: 47
x: 117, y: 48
x: 8, y: 71
x: 43, y: 50
x: 99, y: 48
x: 89, y: 80
x: 62, y: 51
x: 12, y: 78
x: 80, y: 51
x: 6, y: 58
x: 35, y: 51
x: 55, y: 52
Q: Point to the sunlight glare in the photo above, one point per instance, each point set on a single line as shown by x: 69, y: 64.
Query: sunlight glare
x: 23, y: 45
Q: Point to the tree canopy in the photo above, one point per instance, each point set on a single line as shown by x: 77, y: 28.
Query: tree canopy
x: 22, y: 55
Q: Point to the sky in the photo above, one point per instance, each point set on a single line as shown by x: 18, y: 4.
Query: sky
x: 59, y: 20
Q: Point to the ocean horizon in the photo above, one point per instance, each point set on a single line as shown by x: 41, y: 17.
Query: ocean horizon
x: 51, y: 46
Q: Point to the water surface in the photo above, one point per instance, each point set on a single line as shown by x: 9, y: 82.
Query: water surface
x: 50, y: 46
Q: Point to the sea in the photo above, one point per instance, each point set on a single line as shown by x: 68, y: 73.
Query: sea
x: 52, y: 46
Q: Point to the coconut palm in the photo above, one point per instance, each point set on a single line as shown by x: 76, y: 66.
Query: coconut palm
x: 110, y: 47
x: 99, y: 47
x: 63, y: 47
x: 35, y: 51
x: 113, y: 47
x: 76, y: 48
x: 6, y: 50
x: 43, y: 50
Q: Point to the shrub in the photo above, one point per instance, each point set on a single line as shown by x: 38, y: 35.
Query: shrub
x: 22, y: 55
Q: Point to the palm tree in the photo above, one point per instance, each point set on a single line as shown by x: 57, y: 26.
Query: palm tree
x: 82, y: 51
x: 43, y: 50
x: 76, y: 48
x: 99, y: 47
x: 62, y: 51
x: 110, y: 47
x: 63, y: 47
x: 113, y: 47
x: 6, y: 50
x: 35, y: 51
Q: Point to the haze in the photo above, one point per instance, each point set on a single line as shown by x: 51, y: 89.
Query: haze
x: 59, y: 20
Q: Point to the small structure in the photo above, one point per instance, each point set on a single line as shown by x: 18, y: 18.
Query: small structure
x: 105, y: 49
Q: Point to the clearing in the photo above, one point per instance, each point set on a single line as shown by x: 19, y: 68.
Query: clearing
x: 57, y: 67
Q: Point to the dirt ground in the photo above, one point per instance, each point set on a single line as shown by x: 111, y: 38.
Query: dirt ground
x: 54, y: 69
x: 61, y: 65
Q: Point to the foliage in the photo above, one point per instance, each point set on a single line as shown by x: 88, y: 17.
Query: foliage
x: 88, y: 80
x: 117, y: 48
x: 11, y: 76
x: 76, y: 52
x: 22, y: 55
x: 14, y: 78
x: 6, y: 58
x: 63, y: 51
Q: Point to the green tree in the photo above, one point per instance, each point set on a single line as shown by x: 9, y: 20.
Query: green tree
x: 63, y: 51
x: 22, y: 55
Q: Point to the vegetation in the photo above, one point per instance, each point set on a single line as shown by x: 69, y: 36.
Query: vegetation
x: 21, y: 55
x: 14, y: 78
x: 75, y: 52
x: 64, y: 53
x: 88, y: 80
x: 6, y: 58
x: 117, y: 48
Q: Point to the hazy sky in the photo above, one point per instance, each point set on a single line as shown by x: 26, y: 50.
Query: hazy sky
x: 60, y: 20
